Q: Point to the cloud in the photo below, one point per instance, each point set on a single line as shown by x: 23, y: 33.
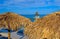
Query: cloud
x: 30, y: 3
x: 57, y: 2
x: 24, y: 6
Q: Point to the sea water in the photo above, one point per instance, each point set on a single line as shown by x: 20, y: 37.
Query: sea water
x: 32, y: 16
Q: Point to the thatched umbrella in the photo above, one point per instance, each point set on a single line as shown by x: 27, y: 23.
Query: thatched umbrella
x: 47, y: 27
x: 12, y: 21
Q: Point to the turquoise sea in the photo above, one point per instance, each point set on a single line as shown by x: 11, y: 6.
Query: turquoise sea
x: 32, y: 16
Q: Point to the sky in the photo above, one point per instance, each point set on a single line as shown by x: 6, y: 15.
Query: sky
x: 29, y: 6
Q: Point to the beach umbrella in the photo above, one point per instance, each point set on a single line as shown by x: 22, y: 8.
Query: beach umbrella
x: 12, y: 21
